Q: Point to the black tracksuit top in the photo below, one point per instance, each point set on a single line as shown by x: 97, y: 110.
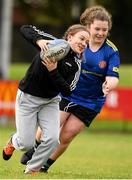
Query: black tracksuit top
x: 38, y: 81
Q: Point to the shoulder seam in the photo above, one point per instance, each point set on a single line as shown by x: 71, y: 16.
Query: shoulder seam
x: 111, y: 45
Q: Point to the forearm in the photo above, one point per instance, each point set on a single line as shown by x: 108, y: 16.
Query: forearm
x: 112, y: 82
x: 32, y: 34
x: 109, y: 84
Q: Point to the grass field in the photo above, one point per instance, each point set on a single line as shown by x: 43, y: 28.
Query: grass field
x: 90, y: 156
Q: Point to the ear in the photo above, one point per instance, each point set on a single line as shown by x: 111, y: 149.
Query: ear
x: 69, y: 37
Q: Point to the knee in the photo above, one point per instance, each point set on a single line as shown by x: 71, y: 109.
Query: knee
x: 64, y: 141
x: 66, y: 138
x: 22, y: 143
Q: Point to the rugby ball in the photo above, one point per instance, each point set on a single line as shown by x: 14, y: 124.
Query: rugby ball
x: 58, y: 49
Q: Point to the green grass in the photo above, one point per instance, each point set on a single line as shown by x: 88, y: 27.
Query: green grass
x: 17, y: 71
x: 90, y: 156
x: 111, y: 126
x: 125, y: 75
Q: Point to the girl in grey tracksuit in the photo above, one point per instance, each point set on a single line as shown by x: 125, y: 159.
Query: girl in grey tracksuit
x: 37, y: 101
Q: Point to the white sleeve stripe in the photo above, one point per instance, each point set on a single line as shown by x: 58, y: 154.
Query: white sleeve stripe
x: 77, y: 75
x: 43, y: 33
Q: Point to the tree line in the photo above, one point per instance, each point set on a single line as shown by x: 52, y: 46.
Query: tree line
x: 54, y: 16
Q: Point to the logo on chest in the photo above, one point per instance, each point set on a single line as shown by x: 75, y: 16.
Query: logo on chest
x: 102, y: 64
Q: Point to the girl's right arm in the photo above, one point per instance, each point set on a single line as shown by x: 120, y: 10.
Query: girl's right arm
x: 34, y: 35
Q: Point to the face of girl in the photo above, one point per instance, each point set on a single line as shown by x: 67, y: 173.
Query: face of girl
x: 98, y: 31
x: 79, y: 41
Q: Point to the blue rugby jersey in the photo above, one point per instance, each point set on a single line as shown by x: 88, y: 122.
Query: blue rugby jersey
x: 95, y: 67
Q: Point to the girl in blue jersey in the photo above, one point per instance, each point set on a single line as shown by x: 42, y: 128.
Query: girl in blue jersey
x: 99, y: 75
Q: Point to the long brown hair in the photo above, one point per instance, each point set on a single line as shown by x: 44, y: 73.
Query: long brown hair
x: 95, y: 12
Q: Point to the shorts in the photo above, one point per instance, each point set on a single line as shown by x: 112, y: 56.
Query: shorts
x: 86, y: 115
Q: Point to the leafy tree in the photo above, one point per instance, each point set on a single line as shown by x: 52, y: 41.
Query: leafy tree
x: 52, y: 12
x: 57, y: 15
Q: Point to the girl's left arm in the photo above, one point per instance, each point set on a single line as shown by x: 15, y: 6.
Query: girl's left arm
x: 112, y: 82
x: 109, y: 84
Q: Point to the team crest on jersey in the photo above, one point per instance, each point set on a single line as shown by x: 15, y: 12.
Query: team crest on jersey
x: 102, y: 64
